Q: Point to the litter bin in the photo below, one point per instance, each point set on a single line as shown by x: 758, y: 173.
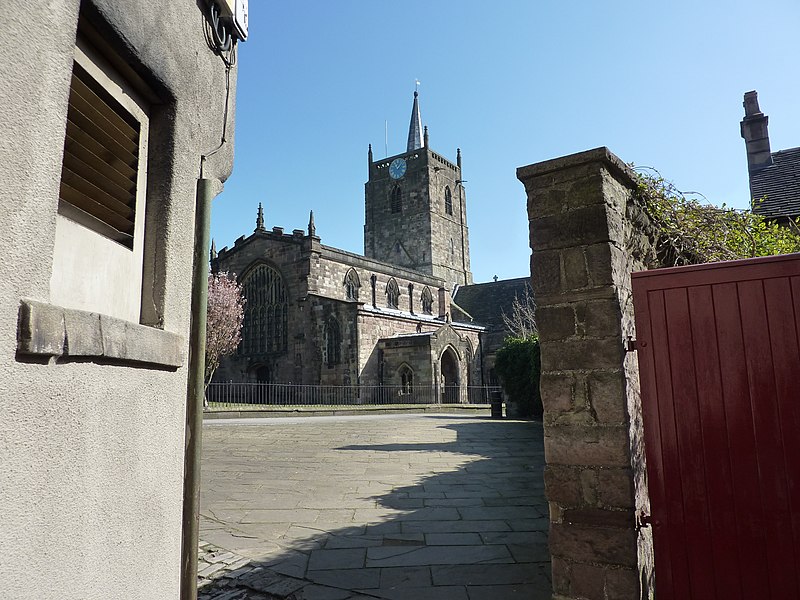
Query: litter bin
x: 496, y: 399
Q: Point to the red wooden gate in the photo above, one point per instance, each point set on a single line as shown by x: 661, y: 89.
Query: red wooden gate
x: 720, y: 380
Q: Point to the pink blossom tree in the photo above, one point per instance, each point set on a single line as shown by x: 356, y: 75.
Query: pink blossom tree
x: 225, y: 318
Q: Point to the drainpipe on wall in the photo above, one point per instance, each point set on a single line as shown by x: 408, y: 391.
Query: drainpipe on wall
x: 195, y: 392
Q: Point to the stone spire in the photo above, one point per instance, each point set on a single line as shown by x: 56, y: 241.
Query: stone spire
x: 213, y: 253
x: 312, y: 230
x: 260, y: 218
x: 415, y: 129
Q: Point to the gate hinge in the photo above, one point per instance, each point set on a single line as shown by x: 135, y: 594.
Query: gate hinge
x: 630, y: 344
x: 643, y: 520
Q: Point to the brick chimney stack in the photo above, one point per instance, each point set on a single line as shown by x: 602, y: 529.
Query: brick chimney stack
x: 755, y: 134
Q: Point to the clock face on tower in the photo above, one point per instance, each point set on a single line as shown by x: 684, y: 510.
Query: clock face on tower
x: 398, y: 168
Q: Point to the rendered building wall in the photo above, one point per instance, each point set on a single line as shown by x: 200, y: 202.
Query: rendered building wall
x: 92, y: 433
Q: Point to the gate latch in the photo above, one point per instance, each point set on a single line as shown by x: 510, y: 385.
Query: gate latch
x: 643, y: 520
x: 630, y: 344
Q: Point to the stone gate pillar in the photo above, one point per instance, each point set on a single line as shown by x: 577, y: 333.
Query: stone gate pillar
x: 582, y: 256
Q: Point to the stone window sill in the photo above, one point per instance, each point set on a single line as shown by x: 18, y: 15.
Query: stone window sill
x: 49, y: 330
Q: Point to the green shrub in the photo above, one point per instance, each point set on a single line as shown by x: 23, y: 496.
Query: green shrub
x: 519, y: 368
x: 687, y: 231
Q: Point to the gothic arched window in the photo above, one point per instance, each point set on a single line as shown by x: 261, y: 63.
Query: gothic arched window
x: 452, y: 250
x: 397, y: 199
x: 265, y: 328
x: 448, y: 201
x: 406, y: 379
x: 392, y: 294
x: 333, y: 342
x: 427, y: 300
x: 351, y: 285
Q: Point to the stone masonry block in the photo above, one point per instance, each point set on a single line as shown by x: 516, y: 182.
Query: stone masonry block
x: 578, y: 227
x: 575, y: 274
x: 586, y: 445
x: 587, y: 581
x: 607, y: 487
x: 606, y: 353
x: 83, y: 334
x: 599, y: 318
x: 560, y: 570
x: 599, y: 517
x: 546, y: 272
x: 558, y: 392
x: 598, y: 545
x: 622, y: 584
x: 562, y: 485
x: 607, y: 396
x: 146, y: 344
x: 575, y: 166
x: 40, y: 329
x: 555, y: 322
x: 114, y: 340
x: 547, y: 201
x: 614, y: 488
x: 586, y: 190
x: 599, y: 264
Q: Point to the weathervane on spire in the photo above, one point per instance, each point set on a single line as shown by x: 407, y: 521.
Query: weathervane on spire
x: 415, y: 128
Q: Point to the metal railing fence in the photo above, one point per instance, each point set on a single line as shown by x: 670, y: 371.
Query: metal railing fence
x: 221, y: 396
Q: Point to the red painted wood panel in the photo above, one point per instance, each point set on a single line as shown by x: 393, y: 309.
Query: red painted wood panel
x: 720, y: 378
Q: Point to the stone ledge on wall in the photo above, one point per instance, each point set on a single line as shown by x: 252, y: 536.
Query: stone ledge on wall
x: 48, y: 330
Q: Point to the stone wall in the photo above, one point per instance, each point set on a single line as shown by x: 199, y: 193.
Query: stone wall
x: 314, y: 275
x: 584, y: 249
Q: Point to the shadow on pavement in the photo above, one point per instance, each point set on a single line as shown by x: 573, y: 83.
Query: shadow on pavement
x: 473, y: 527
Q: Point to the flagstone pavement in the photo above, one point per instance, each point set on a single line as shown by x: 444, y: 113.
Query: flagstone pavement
x: 411, y: 507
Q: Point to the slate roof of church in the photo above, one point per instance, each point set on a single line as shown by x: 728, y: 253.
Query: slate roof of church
x: 486, y: 302
x: 779, y: 185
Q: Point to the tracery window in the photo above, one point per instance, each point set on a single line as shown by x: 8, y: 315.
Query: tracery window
x: 265, y: 328
x: 397, y: 199
x: 392, y: 294
x: 351, y: 285
x: 448, y: 201
x: 427, y: 300
x: 406, y: 379
x: 333, y: 342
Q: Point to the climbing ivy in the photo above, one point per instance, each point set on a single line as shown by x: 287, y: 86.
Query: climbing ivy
x: 687, y: 231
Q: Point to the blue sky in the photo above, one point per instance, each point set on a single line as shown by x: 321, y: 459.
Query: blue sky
x: 510, y: 83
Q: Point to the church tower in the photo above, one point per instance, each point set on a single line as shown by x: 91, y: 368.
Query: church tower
x: 416, y: 210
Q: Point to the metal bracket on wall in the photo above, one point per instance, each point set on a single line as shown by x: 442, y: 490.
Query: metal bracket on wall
x: 630, y: 344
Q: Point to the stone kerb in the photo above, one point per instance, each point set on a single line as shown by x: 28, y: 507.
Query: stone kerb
x: 579, y: 267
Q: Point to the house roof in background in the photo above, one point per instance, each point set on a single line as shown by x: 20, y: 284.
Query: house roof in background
x: 778, y: 185
x: 486, y: 302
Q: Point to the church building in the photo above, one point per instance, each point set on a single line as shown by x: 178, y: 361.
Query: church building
x: 319, y: 315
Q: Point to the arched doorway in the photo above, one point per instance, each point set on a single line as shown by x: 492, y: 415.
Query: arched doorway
x: 450, y: 381
x: 262, y: 374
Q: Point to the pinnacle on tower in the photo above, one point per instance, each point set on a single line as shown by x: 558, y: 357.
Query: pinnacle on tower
x: 415, y: 128
x: 260, y: 218
x: 312, y: 230
x: 213, y: 253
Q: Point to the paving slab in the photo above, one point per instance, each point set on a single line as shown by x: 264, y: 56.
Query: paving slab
x: 400, y: 506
